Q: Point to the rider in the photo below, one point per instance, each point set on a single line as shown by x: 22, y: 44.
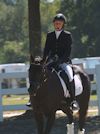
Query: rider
x: 59, y: 43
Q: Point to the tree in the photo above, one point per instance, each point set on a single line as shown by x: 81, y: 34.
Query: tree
x: 83, y: 21
x: 34, y: 27
x: 14, y: 28
x: 13, y: 52
x: 13, y: 31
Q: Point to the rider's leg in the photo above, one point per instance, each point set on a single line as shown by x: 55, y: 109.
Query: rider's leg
x: 31, y: 93
x: 74, y: 103
x: 68, y: 70
x: 72, y: 90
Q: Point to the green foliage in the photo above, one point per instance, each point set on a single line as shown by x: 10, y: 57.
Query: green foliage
x: 83, y: 21
x: 13, y: 52
x: 14, y: 28
x: 13, y: 31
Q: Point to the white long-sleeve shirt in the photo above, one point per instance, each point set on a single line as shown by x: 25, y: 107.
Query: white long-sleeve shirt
x: 58, y: 33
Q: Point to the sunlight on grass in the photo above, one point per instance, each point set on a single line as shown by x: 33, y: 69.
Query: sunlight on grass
x: 93, y: 97
x: 23, y: 99
x: 15, y: 99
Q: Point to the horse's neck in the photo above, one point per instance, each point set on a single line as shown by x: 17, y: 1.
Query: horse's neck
x: 51, y: 76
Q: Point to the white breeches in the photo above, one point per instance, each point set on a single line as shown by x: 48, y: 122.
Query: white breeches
x: 68, y: 70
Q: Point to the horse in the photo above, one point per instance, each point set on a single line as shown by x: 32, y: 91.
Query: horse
x: 48, y: 97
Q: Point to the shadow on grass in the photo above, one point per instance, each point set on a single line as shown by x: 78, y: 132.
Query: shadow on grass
x: 25, y: 124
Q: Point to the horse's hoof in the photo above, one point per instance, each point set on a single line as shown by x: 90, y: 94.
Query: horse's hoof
x: 70, y: 128
x: 81, y: 132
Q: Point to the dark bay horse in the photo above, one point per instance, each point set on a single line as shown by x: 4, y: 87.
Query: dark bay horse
x: 49, y: 97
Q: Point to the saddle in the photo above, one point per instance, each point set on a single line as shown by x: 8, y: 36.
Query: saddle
x: 64, y: 79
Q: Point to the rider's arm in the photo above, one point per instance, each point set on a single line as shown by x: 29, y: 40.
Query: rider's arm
x: 67, y: 48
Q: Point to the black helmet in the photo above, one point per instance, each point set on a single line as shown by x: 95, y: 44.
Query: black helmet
x: 60, y: 16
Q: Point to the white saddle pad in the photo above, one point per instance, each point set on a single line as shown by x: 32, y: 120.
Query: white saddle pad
x: 78, y: 85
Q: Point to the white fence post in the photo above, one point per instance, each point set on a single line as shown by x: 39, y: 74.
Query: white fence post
x: 97, y: 70
x: 1, y: 106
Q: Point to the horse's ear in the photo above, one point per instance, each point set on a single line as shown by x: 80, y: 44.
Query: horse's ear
x: 31, y: 59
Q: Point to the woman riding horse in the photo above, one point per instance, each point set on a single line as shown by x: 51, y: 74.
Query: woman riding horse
x: 45, y: 89
x: 59, y: 43
x: 48, y: 96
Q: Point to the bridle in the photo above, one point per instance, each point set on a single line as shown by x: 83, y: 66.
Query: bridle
x: 43, y: 76
x: 39, y: 82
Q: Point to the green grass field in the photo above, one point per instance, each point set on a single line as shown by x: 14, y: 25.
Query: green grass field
x: 93, y: 97
x: 23, y: 99
x: 15, y: 99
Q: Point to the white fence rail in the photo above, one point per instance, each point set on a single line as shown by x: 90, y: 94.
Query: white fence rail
x: 17, y: 91
x: 95, y: 85
x: 20, y: 91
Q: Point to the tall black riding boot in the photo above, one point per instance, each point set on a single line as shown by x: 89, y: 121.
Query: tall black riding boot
x: 30, y: 90
x: 74, y: 104
x: 29, y: 103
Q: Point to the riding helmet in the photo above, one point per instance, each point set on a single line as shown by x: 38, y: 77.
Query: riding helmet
x: 60, y: 17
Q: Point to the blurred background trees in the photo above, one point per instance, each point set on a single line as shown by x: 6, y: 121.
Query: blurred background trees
x: 83, y: 19
x: 13, y: 31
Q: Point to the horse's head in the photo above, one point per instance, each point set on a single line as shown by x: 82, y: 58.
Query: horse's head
x: 36, y: 68
x: 36, y: 72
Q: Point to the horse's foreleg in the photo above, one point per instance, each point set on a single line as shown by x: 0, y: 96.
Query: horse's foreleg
x: 68, y: 112
x: 70, y: 126
x: 40, y: 122
x: 49, y: 123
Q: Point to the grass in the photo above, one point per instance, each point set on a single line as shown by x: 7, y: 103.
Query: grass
x: 93, y: 97
x: 23, y: 99
x: 15, y: 99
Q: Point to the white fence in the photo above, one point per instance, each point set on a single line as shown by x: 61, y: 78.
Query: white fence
x: 17, y: 91
x: 20, y: 91
x: 95, y: 86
